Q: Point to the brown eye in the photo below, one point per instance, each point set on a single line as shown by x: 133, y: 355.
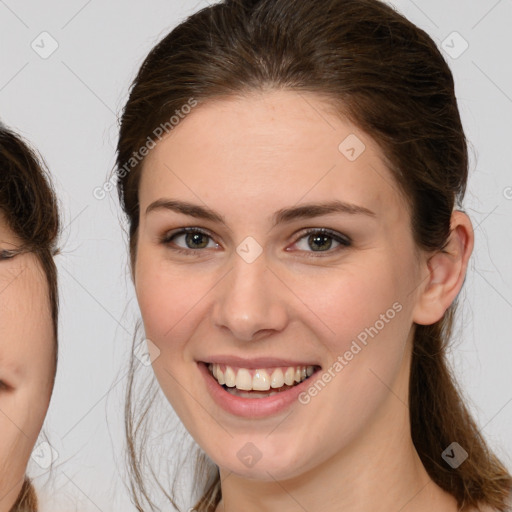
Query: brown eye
x: 196, y: 240
x: 321, y: 241
x: 189, y: 239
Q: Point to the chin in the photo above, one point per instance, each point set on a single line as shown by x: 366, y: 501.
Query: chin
x: 261, y: 458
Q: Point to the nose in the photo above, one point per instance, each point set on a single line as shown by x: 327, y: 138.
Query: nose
x: 250, y: 301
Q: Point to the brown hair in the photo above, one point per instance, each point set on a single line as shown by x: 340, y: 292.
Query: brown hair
x: 388, y: 77
x: 27, y: 499
x: 28, y: 203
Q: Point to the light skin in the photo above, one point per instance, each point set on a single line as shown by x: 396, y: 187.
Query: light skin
x: 26, y: 360
x: 247, y: 158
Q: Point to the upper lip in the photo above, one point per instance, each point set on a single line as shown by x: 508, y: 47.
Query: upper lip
x: 256, y: 362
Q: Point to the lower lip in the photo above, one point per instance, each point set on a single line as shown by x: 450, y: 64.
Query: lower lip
x: 252, y: 407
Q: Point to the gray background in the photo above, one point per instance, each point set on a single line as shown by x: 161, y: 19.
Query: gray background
x: 67, y: 104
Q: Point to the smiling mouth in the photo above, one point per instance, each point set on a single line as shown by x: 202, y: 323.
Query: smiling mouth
x: 261, y: 382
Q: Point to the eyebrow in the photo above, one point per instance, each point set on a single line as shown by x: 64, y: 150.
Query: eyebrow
x: 285, y: 215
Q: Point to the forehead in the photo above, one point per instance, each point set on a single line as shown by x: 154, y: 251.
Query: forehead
x: 281, y: 145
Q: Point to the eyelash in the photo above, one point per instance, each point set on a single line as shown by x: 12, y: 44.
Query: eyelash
x: 343, y: 240
x: 7, y: 255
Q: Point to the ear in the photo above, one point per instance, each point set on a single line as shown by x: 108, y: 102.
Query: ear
x: 446, y: 270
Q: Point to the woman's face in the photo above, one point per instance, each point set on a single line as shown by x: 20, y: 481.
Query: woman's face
x: 258, y: 290
x: 27, y: 348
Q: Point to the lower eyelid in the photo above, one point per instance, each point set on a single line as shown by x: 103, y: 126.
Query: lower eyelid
x: 326, y: 253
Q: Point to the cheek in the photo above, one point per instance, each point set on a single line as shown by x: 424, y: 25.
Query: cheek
x: 14, y: 453
x: 23, y: 415
x: 368, y: 311
x: 168, y: 297
x: 345, y: 302
x: 26, y: 341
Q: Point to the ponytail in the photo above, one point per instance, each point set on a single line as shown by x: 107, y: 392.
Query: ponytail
x: 27, y: 499
x: 439, y: 417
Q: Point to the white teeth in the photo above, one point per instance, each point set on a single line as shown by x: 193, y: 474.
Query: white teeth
x: 277, y: 379
x: 289, y: 376
x: 262, y: 380
x: 229, y: 377
x: 243, y: 380
x: 220, y: 375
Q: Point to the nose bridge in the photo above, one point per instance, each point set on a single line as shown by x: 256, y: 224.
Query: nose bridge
x: 248, y: 300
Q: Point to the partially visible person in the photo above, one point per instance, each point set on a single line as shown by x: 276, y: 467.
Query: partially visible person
x: 297, y: 245
x: 29, y: 227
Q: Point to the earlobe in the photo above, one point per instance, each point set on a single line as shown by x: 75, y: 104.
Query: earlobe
x: 446, y: 270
